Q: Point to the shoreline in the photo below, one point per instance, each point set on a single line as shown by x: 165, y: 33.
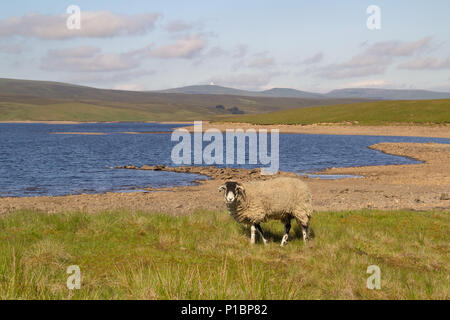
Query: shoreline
x: 400, y: 130
x: 424, y: 187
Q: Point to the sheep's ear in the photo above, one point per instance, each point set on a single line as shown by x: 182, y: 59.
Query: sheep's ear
x: 222, y: 187
x: 240, y: 188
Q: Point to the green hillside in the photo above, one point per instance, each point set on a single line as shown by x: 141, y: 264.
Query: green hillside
x: 368, y: 113
x: 40, y: 100
x: 81, y: 111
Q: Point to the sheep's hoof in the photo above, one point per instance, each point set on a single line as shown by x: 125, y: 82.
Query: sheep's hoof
x: 284, y: 240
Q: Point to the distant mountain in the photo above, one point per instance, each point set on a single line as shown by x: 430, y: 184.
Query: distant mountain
x: 274, y: 93
x: 348, y: 93
x: 209, y: 89
x: 216, y: 94
x: 290, y: 93
x: 386, y: 94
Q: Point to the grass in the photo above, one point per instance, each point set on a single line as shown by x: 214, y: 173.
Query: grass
x: 84, y: 112
x: 367, y: 113
x: 206, y: 255
x: 144, y: 107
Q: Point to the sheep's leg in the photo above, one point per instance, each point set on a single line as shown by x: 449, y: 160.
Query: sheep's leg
x: 252, y: 234
x: 287, y: 228
x: 305, y: 233
x: 261, y: 233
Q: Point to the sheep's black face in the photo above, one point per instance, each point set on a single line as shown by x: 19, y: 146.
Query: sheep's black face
x: 232, y: 190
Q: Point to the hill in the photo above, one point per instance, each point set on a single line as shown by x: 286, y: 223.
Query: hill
x: 369, y: 113
x: 214, y: 89
x: 387, y: 94
x: 348, y: 93
x: 42, y: 100
x: 290, y: 93
x: 209, y: 89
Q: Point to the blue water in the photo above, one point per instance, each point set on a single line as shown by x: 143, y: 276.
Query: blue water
x: 35, y: 162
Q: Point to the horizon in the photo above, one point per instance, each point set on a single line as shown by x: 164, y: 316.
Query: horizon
x: 313, y: 47
x: 226, y: 87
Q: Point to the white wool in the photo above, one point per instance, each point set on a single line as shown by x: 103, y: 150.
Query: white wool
x: 279, y: 198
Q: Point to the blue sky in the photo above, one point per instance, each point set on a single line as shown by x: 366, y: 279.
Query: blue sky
x: 150, y: 45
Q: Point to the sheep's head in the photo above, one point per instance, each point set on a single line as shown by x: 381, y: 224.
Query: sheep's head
x: 232, y: 190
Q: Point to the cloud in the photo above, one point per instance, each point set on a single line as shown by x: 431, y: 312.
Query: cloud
x: 217, y: 52
x: 187, y: 48
x: 240, y: 51
x: 128, y: 87
x: 106, y: 77
x: 365, y: 84
x: 98, y: 24
x: 398, y: 48
x: 179, y: 26
x: 444, y: 87
x: 318, y: 57
x: 245, y: 81
x: 11, y: 48
x: 426, y: 63
x: 374, y: 60
x: 92, y: 59
x: 261, y: 60
x: 86, y: 59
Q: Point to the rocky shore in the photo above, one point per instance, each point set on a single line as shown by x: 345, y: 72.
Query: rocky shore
x: 214, y: 172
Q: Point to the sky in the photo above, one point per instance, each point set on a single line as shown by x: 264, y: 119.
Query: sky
x: 254, y: 45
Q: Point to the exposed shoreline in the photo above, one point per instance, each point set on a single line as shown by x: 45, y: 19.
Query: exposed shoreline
x: 424, y: 186
x: 403, y: 130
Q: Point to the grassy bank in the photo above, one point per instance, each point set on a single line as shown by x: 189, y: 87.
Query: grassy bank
x: 367, y: 113
x: 137, y: 106
x: 95, y: 111
x: 206, y: 255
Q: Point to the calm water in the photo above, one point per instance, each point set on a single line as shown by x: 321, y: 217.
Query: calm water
x: 33, y: 161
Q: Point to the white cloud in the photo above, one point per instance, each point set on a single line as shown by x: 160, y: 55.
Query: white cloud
x: 86, y: 59
x: 240, y: 51
x: 426, y: 63
x: 374, y: 60
x: 187, y: 47
x: 128, y: 87
x: 398, y: 48
x: 98, y: 24
x: 11, y: 48
x: 444, y: 87
x: 216, y: 51
x: 318, y: 57
x: 107, y: 77
x: 365, y: 84
x: 261, y: 60
x: 179, y: 26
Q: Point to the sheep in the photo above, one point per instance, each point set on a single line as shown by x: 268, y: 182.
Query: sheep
x: 281, y: 199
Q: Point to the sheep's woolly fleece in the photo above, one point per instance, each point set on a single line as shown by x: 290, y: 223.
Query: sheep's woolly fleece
x: 277, y: 199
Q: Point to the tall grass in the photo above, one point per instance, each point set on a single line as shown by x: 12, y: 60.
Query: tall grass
x: 206, y: 255
x: 368, y: 113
